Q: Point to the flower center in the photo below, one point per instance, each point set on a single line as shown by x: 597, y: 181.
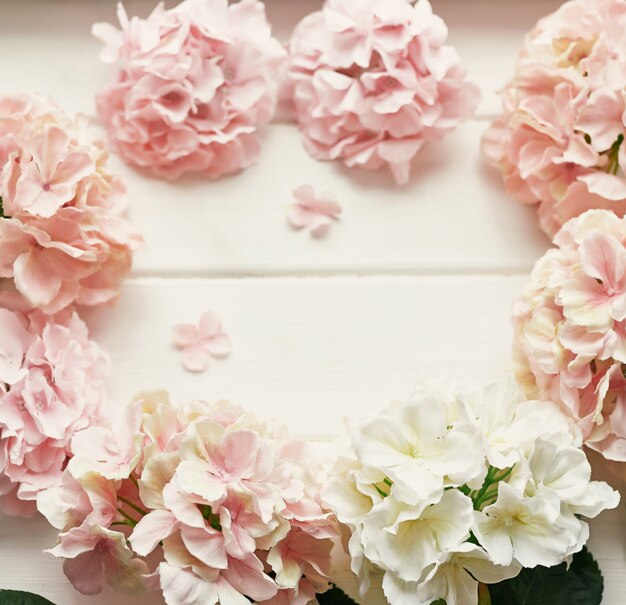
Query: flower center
x: 103, y: 547
x: 572, y: 52
x: 210, y: 516
x: 171, y: 98
x: 388, y: 82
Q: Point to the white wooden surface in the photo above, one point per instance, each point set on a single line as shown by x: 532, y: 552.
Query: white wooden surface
x: 412, y: 283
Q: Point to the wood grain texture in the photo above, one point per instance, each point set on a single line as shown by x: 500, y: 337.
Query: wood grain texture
x: 412, y: 283
x: 451, y: 217
x: 311, y: 350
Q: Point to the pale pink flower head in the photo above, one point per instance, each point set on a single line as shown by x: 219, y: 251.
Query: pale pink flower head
x: 313, y: 212
x: 570, y: 329
x: 193, y: 86
x: 51, y: 386
x: 203, y: 502
x: 200, y: 343
x: 559, y: 141
x: 89, y: 511
x: 63, y: 234
x: 371, y: 81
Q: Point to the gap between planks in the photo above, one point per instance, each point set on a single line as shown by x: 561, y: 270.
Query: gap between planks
x: 265, y: 273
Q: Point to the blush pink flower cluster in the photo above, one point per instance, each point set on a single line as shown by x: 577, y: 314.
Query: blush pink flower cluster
x: 372, y: 80
x: 201, y: 502
x: 193, y: 86
x: 51, y: 386
x: 570, y: 329
x: 63, y: 235
x: 559, y: 142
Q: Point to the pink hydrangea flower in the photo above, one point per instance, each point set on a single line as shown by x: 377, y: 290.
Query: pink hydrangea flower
x: 63, y: 235
x: 200, y: 343
x: 223, y: 507
x: 371, y: 81
x: 315, y: 212
x: 570, y: 329
x: 193, y: 86
x: 558, y: 143
x: 86, y: 514
x: 51, y: 386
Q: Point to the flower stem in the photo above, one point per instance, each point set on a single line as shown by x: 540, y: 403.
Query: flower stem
x: 380, y: 491
x: 612, y: 153
x: 125, y: 522
x: 485, y: 494
x: 484, y: 598
x: 490, y: 495
x: 128, y: 520
x: 140, y: 510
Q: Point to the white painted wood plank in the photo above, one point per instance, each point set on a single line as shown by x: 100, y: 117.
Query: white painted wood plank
x: 309, y: 351
x: 454, y: 216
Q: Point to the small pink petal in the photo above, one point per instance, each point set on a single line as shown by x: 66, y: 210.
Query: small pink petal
x: 85, y: 572
x: 201, y: 342
x: 401, y: 172
x: 210, y: 324
x: 185, y: 334
x: 246, y: 575
x: 328, y: 204
x: 313, y: 211
x: 320, y: 226
x: 304, y: 194
x: 35, y: 279
x: 219, y: 345
x: 195, y: 358
x: 605, y: 185
x: 184, y: 587
x: 152, y: 529
x: 241, y: 452
x: 298, y: 216
x: 205, y: 544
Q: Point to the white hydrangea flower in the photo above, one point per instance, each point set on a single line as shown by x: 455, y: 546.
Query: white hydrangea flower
x: 511, y: 425
x: 407, y: 539
x: 457, y: 572
x: 456, y: 487
x: 526, y: 529
x: 417, y: 448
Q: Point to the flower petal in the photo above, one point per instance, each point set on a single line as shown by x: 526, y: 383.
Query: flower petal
x: 195, y: 358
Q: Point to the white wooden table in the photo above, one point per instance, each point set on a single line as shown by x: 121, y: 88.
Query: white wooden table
x: 413, y: 283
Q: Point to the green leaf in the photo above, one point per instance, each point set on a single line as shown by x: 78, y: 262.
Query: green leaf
x: 581, y: 584
x: 335, y: 596
x: 14, y: 597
